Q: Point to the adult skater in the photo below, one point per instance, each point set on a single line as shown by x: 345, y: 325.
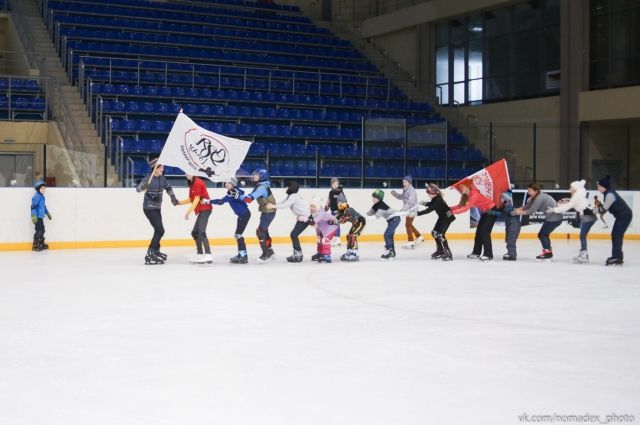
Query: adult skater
x: 543, y: 203
x: 38, y: 212
x: 614, y: 204
x: 332, y: 205
x: 326, y: 227
x: 471, y: 197
x: 409, y: 199
x: 346, y: 214
x: 445, y: 218
x: 511, y: 226
x: 153, y: 185
x: 241, y: 210
x: 261, y: 193
x: 198, y: 192
x: 300, y: 210
x: 381, y: 210
x: 580, y: 203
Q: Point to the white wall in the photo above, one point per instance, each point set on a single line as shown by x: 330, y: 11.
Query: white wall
x: 99, y: 215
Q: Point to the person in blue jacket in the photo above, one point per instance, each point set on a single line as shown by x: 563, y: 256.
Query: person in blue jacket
x: 240, y: 209
x: 261, y: 193
x: 613, y: 203
x: 38, y: 211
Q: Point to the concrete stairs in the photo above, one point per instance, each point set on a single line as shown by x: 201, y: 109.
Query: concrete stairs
x: 70, y: 96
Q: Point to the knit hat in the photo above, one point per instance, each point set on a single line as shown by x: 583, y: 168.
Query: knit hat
x: 605, y: 181
x: 341, y: 199
x: 292, y: 187
x: 38, y: 185
x: 378, y: 194
x: 578, y: 185
x: 233, y: 181
x: 334, y: 180
x: 408, y: 178
x: 432, y: 188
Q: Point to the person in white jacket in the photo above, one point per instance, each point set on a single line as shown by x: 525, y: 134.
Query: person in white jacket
x: 301, y: 210
x: 409, y: 199
x: 580, y: 203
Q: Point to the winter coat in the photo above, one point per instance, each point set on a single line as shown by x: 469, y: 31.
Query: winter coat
x: 409, y: 200
x: 38, y: 206
x: 153, y: 194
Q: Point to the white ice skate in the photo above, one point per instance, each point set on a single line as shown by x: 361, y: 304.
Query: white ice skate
x: 409, y: 245
x: 205, y: 259
x: 197, y: 259
x: 582, y: 258
x: 419, y: 240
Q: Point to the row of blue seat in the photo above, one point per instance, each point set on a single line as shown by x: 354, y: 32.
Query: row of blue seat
x: 208, y: 42
x: 204, y: 55
x: 253, y: 4
x: 215, y: 30
x: 257, y: 96
x: 181, y: 15
x: 24, y: 103
x: 19, y: 84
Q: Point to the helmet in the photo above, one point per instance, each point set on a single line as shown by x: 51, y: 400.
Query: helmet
x: 262, y: 173
x: 234, y: 181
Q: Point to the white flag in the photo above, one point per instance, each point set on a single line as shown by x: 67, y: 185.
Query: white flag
x: 200, y: 152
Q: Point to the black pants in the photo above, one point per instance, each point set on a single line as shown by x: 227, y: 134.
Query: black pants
x: 39, y: 234
x: 354, y: 233
x: 545, y: 231
x: 439, y: 233
x: 617, y: 233
x: 482, y: 239
x: 155, y: 218
x: 241, y: 224
x: 199, y: 232
x: 295, y: 233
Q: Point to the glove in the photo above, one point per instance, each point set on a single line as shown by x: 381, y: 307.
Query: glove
x: 174, y: 201
x: 145, y: 185
x: 48, y: 215
x: 217, y: 201
x: 34, y: 219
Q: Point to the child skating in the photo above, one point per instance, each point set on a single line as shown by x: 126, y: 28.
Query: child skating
x: 241, y: 210
x: 445, y: 218
x: 300, y: 210
x: 409, y: 199
x: 381, y: 210
x: 332, y: 204
x: 511, y: 226
x: 346, y: 214
x: 38, y: 212
x: 262, y: 194
x: 326, y: 228
x: 198, y: 192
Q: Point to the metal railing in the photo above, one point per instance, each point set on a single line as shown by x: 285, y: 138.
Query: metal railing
x: 16, y: 113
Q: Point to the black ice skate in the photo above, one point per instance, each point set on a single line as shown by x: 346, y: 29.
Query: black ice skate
x: 546, y: 255
x: 325, y: 258
x: 239, y: 259
x: 162, y: 255
x: 350, y: 256
x: 295, y: 258
x: 153, y: 258
x: 507, y: 257
x: 614, y: 262
x: 266, y: 256
x: 437, y: 254
x: 446, y: 255
x: 315, y: 257
x: 389, y: 254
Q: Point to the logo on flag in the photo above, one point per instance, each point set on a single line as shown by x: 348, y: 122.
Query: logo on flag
x: 491, y: 181
x: 200, y: 152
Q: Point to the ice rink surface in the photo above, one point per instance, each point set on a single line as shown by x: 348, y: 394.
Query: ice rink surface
x: 94, y: 337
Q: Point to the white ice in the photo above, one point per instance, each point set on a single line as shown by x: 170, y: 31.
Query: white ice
x: 94, y: 337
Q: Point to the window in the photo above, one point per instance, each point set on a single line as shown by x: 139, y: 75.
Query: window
x: 498, y: 55
x: 615, y: 43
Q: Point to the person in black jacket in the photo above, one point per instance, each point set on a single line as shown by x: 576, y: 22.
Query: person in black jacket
x: 445, y: 218
x: 614, y: 204
x: 332, y: 205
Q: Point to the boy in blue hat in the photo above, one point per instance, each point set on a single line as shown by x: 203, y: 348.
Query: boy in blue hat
x: 38, y: 211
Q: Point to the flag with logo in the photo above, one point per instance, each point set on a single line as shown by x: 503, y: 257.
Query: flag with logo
x: 491, y: 181
x: 200, y: 152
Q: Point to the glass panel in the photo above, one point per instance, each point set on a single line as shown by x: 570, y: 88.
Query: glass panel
x: 442, y: 65
x: 551, y: 48
x: 458, y: 64
x: 476, y: 26
x: 442, y: 34
x: 475, y: 59
x: 599, y: 37
x: 24, y: 170
x: 7, y: 169
x: 526, y: 49
x: 458, y: 32
x: 458, y: 93
x: 525, y: 85
x: 551, y: 11
x: 442, y: 91
x: 497, y: 21
x: 599, y: 74
x: 527, y: 15
x: 497, y: 62
x: 497, y: 88
x: 475, y: 90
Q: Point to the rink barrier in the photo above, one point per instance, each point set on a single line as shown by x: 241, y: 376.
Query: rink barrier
x: 113, y: 218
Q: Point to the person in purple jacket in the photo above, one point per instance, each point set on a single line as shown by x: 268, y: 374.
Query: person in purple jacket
x: 326, y: 228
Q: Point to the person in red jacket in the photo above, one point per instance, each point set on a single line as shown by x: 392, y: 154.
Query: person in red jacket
x: 198, y: 192
x: 470, y: 198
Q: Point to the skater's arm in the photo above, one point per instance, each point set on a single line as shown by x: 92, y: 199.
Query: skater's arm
x: 289, y: 200
x: 609, y: 199
x: 144, y: 184
x: 396, y: 194
x: 194, y: 204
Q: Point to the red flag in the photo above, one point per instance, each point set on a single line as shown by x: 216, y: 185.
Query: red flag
x: 491, y: 181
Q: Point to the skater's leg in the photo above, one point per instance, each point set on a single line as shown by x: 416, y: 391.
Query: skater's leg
x: 617, y: 235
x: 487, y: 227
x: 392, y: 224
x: 241, y: 225
x: 512, y: 231
x: 263, y: 231
x: 155, y: 218
x: 408, y: 224
x: 477, y: 239
x: 545, y: 231
x: 200, y: 228
x: 295, y: 233
x: 585, y: 227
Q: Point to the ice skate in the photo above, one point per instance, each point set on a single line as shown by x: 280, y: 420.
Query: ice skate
x: 315, y: 257
x: 241, y: 258
x: 473, y: 256
x: 419, y: 240
x: 162, y: 255
x: 194, y: 260
x: 388, y: 254
x: 614, y: 262
x: 205, y: 259
x: 266, y: 256
x: 437, y: 254
x: 295, y: 258
x: 325, y: 258
x: 153, y: 258
x: 485, y: 258
x: 546, y: 254
x: 409, y: 245
x: 350, y: 256
x: 582, y: 258
x: 446, y: 255
x: 507, y: 257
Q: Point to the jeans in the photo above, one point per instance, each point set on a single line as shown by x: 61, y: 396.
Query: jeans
x: 392, y: 225
x: 585, y: 227
x: 617, y: 233
x: 155, y: 218
x: 241, y: 224
x: 482, y: 240
x: 295, y: 233
x: 263, y: 230
x: 199, y: 232
x: 511, y: 233
x: 39, y: 234
x: 545, y: 231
